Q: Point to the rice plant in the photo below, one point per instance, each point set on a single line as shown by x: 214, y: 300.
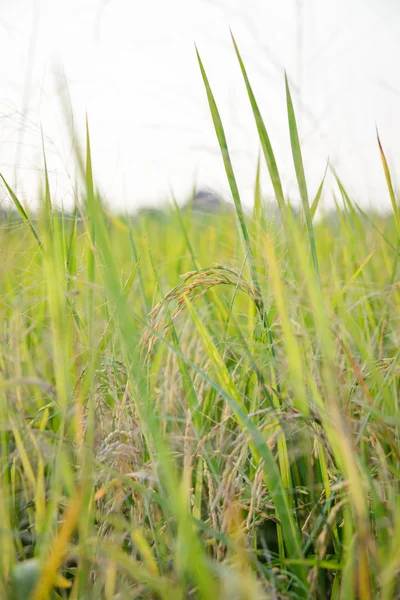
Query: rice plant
x: 201, y: 406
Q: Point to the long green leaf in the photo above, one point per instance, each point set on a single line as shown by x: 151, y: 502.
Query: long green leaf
x: 47, y: 185
x: 301, y: 179
x: 318, y: 195
x: 21, y: 211
x: 264, y: 137
x: 389, y: 185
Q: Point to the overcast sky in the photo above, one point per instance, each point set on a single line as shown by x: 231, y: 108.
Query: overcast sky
x: 131, y: 65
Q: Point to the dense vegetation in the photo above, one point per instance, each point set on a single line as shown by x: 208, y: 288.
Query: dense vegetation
x: 200, y: 406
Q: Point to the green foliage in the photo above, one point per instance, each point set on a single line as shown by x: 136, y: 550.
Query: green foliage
x: 195, y: 409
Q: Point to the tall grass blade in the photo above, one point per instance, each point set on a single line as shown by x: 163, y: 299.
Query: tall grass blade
x: 315, y: 204
x: 264, y: 138
x: 258, y: 204
x: 389, y: 185
x: 21, y: 211
x: 47, y: 197
x: 301, y: 179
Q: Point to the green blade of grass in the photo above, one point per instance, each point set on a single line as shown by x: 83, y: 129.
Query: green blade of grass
x: 264, y: 137
x: 336, y: 299
x: 389, y: 185
x: 47, y: 197
x: 21, y: 211
x: 257, y: 211
x: 301, y: 179
x: 315, y: 204
x: 184, y: 232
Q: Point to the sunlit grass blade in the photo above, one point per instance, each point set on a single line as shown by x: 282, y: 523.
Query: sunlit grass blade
x: 301, y: 179
x: 318, y: 195
x: 375, y: 226
x: 71, y: 243
x: 21, y: 210
x: 92, y: 230
x: 47, y: 198
x: 188, y: 243
x: 389, y: 185
x: 336, y: 299
x: 140, y: 273
x: 257, y: 210
x: 264, y: 138
x: 219, y: 130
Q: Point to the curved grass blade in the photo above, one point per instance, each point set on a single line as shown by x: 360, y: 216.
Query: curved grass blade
x: 318, y: 195
x: 257, y: 211
x: 90, y: 260
x: 178, y: 213
x: 263, y: 135
x: 301, y: 179
x: 21, y: 211
x: 389, y: 185
x: 47, y: 185
x: 356, y: 273
x: 381, y: 234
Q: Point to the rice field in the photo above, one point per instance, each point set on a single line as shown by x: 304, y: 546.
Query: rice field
x: 196, y: 405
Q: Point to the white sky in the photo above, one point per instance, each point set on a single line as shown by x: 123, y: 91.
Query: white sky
x: 131, y: 65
